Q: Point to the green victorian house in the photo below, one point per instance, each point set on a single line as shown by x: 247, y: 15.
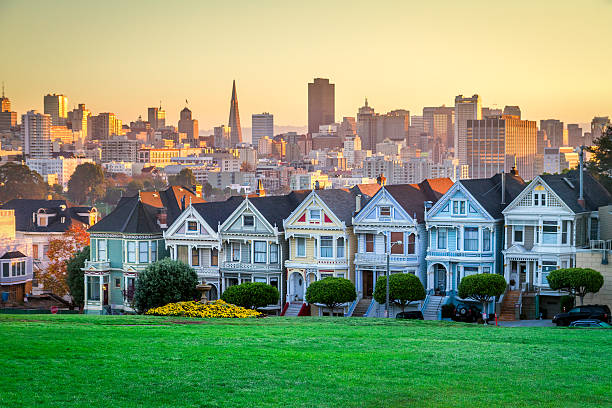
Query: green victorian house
x: 123, y: 244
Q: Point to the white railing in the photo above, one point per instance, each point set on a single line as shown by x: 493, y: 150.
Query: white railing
x: 601, y: 245
x: 250, y: 266
x: 97, y: 264
x: 382, y: 258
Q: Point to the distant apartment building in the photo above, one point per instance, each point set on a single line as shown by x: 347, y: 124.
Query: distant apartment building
x: 321, y: 104
x: 157, y: 117
x: 79, y: 118
x: 36, y: 135
x: 466, y: 108
x: 104, y: 125
x: 8, y: 119
x: 262, y: 124
x: 62, y: 167
x: 351, y: 145
x: 57, y: 107
x: 157, y: 157
x: 557, y: 159
x: 264, y: 146
x: 315, y: 180
x: 222, y: 136
x: 496, y: 144
x: 188, y: 125
x: 119, y: 150
x: 374, y: 128
x: 127, y: 168
x: 554, y: 132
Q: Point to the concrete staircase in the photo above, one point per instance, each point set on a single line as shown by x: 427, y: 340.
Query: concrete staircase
x: 362, y: 307
x: 293, y: 309
x: 507, y: 312
x: 433, y: 307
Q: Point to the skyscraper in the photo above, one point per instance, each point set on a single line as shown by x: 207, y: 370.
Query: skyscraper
x: 512, y: 110
x: 554, y: 131
x: 222, y: 136
x: 321, y: 104
x: 157, y: 117
x: 5, y: 103
x: 234, y: 119
x: 366, y: 126
x: 574, y: 135
x: 8, y: 119
x: 440, y: 123
x: 262, y: 125
x: 393, y: 126
x: 465, y: 109
x: 104, y: 126
x: 188, y: 125
x: 79, y: 119
x: 36, y: 135
x: 57, y: 107
x: 495, y: 144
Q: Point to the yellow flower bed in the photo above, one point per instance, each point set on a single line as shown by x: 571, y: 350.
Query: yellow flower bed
x: 217, y: 308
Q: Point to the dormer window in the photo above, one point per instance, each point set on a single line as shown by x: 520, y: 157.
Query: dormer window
x: 385, y: 211
x: 192, y: 226
x: 315, y: 215
x: 459, y: 207
x: 248, y: 220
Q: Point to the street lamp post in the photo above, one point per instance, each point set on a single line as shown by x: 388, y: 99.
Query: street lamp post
x: 388, y: 273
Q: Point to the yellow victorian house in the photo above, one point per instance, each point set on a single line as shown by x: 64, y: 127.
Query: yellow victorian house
x: 321, y: 244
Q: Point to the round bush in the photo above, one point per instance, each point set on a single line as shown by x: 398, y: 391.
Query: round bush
x: 165, y: 281
x: 404, y: 288
x: 251, y: 295
x: 482, y: 287
x: 331, y: 292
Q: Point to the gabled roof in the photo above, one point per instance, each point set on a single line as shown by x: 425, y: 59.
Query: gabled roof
x: 12, y: 255
x: 366, y: 189
x: 131, y: 216
x: 175, y: 199
x: 276, y: 208
x: 412, y: 197
x: 341, y: 202
x: 63, y: 215
x: 567, y: 187
x: 488, y: 192
x: 216, y: 212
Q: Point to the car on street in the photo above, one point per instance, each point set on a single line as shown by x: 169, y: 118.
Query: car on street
x: 414, y: 314
x: 466, y: 313
x: 590, y: 324
x: 599, y: 312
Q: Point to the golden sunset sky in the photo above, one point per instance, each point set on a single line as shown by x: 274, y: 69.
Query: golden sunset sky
x: 552, y: 58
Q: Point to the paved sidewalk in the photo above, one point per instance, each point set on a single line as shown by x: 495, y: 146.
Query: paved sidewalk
x: 527, y: 323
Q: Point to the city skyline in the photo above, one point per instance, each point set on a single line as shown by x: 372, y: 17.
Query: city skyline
x: 544, y: 83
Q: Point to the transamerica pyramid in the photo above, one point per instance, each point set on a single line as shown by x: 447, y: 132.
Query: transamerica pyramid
x: 234, y: 119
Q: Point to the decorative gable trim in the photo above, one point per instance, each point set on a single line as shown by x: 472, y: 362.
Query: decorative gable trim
x: 444, y: 202
x: 190, y: 212
x: 239, y: 211
x: 527, y: 192
x: 382, y: 196
x: 300, y: 211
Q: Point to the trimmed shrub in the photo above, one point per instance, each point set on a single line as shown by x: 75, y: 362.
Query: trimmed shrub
x: 331, y: 292
x: 251, y: 295
x: 483, y: 287
x: 165, y: 281
x: 577, y: 281
x: 404, y: 288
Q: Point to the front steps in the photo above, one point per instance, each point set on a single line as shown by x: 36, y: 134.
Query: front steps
x: 507, y: 312
x: 362, y: 307
x: 432, y: 310
x: 293, y: 309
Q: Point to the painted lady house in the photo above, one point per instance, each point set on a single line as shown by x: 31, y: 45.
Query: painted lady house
x: 545, y: 226
x: 254, y: 245
x: 392, y: 222
x: 321, y: 244
x: 466, y: 235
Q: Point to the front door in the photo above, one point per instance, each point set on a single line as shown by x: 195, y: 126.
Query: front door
x: 522, y: 272
x: 440, y: 280
x: 368, y: 283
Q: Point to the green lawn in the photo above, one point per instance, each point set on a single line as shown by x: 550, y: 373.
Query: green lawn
x: 115, y: 361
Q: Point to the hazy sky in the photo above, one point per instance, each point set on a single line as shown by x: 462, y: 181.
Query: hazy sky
x: 550, y: 57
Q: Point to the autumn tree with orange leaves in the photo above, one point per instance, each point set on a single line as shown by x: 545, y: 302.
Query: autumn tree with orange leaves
x: 55, y: 277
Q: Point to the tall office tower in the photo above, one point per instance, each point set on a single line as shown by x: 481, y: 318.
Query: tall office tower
x: 78, y: 118
x: 439, y: 122
x: 5, y: 103
x: 104, y: 126
x: 8, y: 119
x: 36, y: 135
x: 321, y: 104
x: 495, y: 144
x: 542, y: 142
x: 598, y: 125
x: 393, y: 126
x: 234, y: 119
x: 512, y: 110
x: 57, y: 107
x: 574, y: 135
x: 188, y: 125
x: 417, y: 124
x: 262, y: 125
x: 366, y: 127
x: 222, y: 136
x: 554, y: 131
x: 490, y: 112
x: 465, y: 109
x: 157, y: 117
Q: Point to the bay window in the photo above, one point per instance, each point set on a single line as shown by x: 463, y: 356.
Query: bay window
x: 131, y: 252
x: 301, y: 247
x: 327, y: 247
x: 143, y: 252
x: 411, y: 243
x: 441, y: 238
x: 102, y: 253
x: 261, y: 249
x: 93, y: 288
x: 340, y: 248
x: 214, y: 257
x: 369, y: 242
x: 398, y: 248
x: 549, y: 232
x: 518, y: 234
x: 235, y: 251
x: 195, y: 257
x: 486, y: 240
x: 273, y: 253
x: 153, y: 251
x: 470, y: 239
x: 182, y: 254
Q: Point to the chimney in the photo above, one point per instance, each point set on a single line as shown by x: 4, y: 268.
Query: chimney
x: 581, y: 172
x: 514, y: 171
x: 358, y: 203
x: 317, y: 185
x: 162, y: 217
x: 503, y: 189
x: 183, y: 203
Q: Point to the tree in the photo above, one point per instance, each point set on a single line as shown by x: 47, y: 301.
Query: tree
x: 76, y: 276
x: 576, y: 281
x: 331, y: 292
x: 134, y: 187
x: 165, y: 281
x: 600, y: 165
x: 404, y: 288
x: 207, y: 189
x: 86, y: 183
x: 55, y: 277
x: 251, y: 295
x: 18, y: 181
x: 184, y: 178
x: 482, y: 287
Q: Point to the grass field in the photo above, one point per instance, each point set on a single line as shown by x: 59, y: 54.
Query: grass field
x: 115, y: 361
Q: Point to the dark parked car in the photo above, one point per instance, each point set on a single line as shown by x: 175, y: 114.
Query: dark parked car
x: 590, y: 324
x: 416, y: 314
x: 599, y: 312
x: 466, y: 313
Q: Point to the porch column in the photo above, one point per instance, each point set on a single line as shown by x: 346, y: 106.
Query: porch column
x: 507, y: 270
x: 528, y: 271
x: 189, y: 255
x: 85, y: 293
x: 449, y: 278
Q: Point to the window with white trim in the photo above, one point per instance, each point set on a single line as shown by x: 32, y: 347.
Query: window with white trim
x: 192, y: 226
x: 131, y: 252
x: 102, y: 252
x: 261, y: 250
x: 459, y: 207
x: 153, y: 251
x: 273, y: 253
x: 235, y: 251
x: 314, y: 215
x: 301, y: 246
x: 340, y: 248
x: 470, y: 239
x: 93, y: 288
x: 143, y: 252
x: 518, y: 234
x: 327, y: 247
x: 248, y: 221
x: 486, y: 240
x: 385, y: 211
x: 549, y: 232
x: 442, y: 238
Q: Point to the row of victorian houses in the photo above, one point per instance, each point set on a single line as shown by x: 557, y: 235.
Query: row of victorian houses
x: 438, y: 230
